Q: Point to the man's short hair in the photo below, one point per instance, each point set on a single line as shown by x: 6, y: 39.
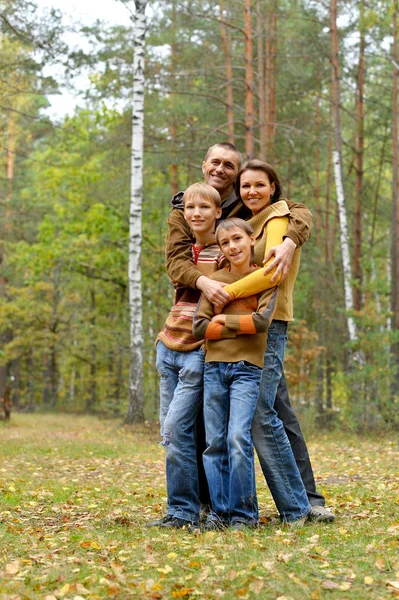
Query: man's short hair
x: 226, y: 146
x: 205, y: 191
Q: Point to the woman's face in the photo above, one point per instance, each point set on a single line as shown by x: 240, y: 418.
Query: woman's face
x: 256, y: 190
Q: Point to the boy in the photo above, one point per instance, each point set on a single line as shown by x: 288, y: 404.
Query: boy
x: 180, y: 363
x: 235, y: 343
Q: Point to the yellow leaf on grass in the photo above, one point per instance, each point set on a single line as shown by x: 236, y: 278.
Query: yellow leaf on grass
x: 368, y: 580
x: 62, y: 591
x: 12, y: 568
x: 50, y: 597
x: 171, y: 555
x: 345, y: 586
x: 165, y: 570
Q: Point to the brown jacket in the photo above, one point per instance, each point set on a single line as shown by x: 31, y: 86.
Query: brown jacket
x: 179, y: 264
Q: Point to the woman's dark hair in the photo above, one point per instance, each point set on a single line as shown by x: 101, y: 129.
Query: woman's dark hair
x: 259, y: 165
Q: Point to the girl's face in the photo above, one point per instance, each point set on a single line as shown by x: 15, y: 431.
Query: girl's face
x: 256, y: 190
x: 236, y: 245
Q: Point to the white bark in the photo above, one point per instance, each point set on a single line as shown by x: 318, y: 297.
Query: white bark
x: 136, y: 395
x: 343, y: 228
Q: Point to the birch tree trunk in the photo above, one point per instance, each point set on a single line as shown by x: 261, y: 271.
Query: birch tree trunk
x: 339, y: 179
x: 395, y: 199
x: 135, y: 412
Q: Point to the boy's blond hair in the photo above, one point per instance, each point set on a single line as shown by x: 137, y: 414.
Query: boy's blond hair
x: 204, y: 190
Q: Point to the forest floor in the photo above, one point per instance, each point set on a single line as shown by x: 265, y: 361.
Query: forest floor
x: 76, y: 494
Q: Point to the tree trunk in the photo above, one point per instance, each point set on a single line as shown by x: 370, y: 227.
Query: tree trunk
x: 135, y: 412
x: 249, y: 82
x: 261, y: 82
x: 226, y: 43
x: 395, y: 201
x: 174, y: 181
x: 339, y: 179
x: 359, y: 149
x: 271, y: 76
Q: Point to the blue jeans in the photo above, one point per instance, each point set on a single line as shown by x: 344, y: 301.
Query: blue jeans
x: 230, y: 397
x: 181, y: 390
x: 269, y: 436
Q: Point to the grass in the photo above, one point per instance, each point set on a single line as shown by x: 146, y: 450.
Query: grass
x: 77, y: 492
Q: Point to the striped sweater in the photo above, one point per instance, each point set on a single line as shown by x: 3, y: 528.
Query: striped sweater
x: 177, y: 333
x: 244, y: 335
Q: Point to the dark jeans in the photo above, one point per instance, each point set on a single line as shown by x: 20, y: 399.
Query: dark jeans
x: 293, y: 430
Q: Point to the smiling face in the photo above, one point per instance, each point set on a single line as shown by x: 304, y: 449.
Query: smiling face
x: 256, y: 190
x: 237, y: 245
x: 201, y: 214
x: 221, y: 168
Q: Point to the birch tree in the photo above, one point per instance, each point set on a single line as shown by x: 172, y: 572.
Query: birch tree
x: 338, y: 173
x: 135, y: 412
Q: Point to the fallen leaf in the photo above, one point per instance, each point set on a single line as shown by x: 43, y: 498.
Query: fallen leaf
x: 12, y: 568
x: 380, y: 564
x: 329, y: 585
x: 345, y: 586
x: 257, y: 586
x: 165, y: 570
x: 62, y: 591
x: 393, y: 584
x: 368, y: 580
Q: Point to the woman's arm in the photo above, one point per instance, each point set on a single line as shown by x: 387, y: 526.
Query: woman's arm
x: 257, y: 282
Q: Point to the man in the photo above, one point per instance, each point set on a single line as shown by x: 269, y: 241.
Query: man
x: 220, y: 167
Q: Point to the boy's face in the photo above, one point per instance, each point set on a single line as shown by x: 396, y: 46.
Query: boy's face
x: 201, y: 214
x: 236, y: 246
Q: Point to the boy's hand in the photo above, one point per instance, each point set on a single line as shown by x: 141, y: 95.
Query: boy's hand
x: 283, y: 254
x: 219, y: 319
x: 213, y: 290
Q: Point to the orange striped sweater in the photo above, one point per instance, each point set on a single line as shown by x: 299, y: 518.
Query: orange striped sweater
x: 177, y: 333
x: 244, y: 335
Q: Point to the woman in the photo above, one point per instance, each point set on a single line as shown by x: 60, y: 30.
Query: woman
x: 259, y: 188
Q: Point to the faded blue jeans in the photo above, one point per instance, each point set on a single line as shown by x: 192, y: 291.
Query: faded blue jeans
x: 181, y: 390
x: 269, y: 436
x: 230, y: 397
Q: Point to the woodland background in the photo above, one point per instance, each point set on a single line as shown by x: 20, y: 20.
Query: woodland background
x: 263, y: 75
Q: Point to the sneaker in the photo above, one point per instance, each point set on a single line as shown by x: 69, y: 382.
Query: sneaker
x: 176, y: 523
x: 320, y: 514
x: 213, y: 525
x: 243, y: 525
x: 160, y: 522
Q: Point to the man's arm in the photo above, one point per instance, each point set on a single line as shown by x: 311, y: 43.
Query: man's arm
x: 179, y: 263
x: 299, y: 224
x: 298, y: 232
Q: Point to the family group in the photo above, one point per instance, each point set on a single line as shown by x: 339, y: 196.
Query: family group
x: 232, y: 253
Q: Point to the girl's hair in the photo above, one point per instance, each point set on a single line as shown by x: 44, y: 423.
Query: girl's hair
x: 232, y: 222
x: 259, y: 165
x: 205, y: 191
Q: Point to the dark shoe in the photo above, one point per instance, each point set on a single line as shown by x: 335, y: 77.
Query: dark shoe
x: 243, y: 525
x: 320, y: 514
x: 160, y: 522
x: 213, y: 525
x: 176, y: 523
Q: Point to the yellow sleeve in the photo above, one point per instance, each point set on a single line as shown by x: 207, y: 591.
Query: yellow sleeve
x: 257, y: 282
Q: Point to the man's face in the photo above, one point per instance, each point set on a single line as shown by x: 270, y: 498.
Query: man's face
x: 221, y: 168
